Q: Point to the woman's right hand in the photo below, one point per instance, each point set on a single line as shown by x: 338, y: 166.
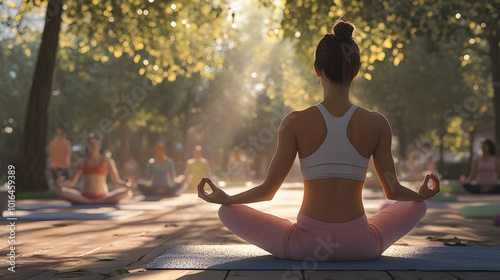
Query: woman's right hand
x: 216, y: 196
x: 59, y: 182
x: 426, y: 191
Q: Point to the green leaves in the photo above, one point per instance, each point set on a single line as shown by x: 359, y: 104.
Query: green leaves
x: 115, y: 272
x: 454, y: 241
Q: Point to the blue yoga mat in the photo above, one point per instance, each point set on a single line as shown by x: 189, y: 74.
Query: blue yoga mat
x: 249, y: 257
x: 39, y: 216
x: 134, y: 206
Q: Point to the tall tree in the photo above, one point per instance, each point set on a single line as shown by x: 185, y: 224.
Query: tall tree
x: 385, y: 26
x: 175, y: 39
x: 32, y: 157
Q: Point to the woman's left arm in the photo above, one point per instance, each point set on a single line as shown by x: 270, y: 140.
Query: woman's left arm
x: 278, y: 170
x: 115, y: 177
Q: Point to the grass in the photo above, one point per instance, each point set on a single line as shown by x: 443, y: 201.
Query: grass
x: 455, y: 189
x: 36, y: 195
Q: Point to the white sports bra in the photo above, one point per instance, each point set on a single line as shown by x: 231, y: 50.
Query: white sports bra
x: 336, y: 157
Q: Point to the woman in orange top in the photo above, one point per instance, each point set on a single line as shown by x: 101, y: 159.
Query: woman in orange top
x: 95, y: 189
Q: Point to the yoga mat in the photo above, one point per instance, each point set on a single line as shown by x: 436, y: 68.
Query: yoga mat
x: 482, y: 211
x: 437, y: 205
x: 430, y: 205
x: 249, y: 257
x: 37, y: 216
x: 135, y: 206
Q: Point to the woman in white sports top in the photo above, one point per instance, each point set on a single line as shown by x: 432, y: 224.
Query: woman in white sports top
x: 334, y: 154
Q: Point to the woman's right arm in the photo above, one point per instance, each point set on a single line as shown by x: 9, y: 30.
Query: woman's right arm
x: 76, y: 175
x: 386, y: 171
x: 473, y: 172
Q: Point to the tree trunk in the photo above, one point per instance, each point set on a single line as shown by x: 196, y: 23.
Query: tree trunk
x: 124, y: 134
x: 493, y: 43
x: 32, y: 156
x: 186, y: 124
x: 472, y: 134
x: 441, y: 145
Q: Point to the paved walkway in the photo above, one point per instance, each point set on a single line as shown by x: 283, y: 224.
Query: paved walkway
x: 101, y: 246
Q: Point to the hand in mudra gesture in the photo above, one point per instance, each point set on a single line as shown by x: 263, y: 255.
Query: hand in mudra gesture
x: 426, y: 191
x: 216, y: 196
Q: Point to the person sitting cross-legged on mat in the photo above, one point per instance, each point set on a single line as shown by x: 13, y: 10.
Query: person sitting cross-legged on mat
x: 196, y: 168
x: 161, y: 178
x: 95, y: 169
x: 487, y: 168
x: 334, y: 141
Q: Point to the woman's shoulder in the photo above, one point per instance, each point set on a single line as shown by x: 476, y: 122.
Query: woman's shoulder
x: 301, y: 114
x: 296, y: 119
x: 372, y: 117
x: 371, y: 113
x: 108, y: 161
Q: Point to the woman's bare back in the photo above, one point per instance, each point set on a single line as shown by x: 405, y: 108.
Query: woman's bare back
x: 334, y: 200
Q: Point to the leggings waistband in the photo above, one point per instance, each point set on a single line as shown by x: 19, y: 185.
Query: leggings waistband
x: 306, y: 221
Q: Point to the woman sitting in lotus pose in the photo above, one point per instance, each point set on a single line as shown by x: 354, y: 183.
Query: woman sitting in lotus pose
x: 334, y: 141
x: 161, y: 178
x: 95, y: 169
x: 487, y: 170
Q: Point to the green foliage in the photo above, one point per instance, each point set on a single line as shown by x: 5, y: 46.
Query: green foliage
x: 36, y: 195
x: 15, y: 73
x: 175, y: 38
x: 202, y: 81
x: 412, y: 96
x: 458, y: 30
x: 115, y: 272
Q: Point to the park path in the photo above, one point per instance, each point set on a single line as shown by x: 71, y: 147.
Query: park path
x: 46, y: 247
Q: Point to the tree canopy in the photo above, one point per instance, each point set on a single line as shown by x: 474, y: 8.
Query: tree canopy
x: 213, y: 73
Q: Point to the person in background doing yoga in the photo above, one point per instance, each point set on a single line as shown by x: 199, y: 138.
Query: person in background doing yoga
x: 131, y: 168
x: 487, y: 167
x: 60, y: 155
x: 94, y: 168
x: 161, y: 175
x: 334, y: 153
x: 196, y: 168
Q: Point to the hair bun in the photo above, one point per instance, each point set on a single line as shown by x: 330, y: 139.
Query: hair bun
x: 343, y: 29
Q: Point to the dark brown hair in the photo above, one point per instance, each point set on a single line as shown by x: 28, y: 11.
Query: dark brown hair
x: 491, y: 146
x: 337, y: 54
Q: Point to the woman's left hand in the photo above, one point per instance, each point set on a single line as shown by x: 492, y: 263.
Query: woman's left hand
x: 130, y: 183
x: 217, y: 195
x: 180, y: 179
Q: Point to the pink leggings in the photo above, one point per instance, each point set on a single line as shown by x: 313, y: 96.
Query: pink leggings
x: 311, y: 239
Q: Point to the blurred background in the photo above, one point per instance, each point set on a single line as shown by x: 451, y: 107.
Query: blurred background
x: 223, y: 73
